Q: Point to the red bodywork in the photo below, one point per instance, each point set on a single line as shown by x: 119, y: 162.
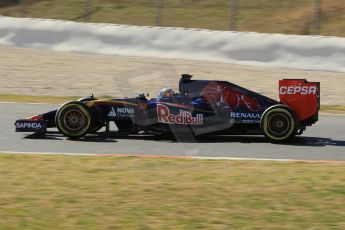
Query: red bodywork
x: 216, y: 93
x: 300, y: 95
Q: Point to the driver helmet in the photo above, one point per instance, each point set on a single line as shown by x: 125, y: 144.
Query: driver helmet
x: 166, y: 92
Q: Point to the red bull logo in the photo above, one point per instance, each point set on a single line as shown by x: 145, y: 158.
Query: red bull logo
x: 183, y: 118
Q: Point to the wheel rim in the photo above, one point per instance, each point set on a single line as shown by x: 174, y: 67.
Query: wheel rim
x: 279, y: 124
x: 74, y: 119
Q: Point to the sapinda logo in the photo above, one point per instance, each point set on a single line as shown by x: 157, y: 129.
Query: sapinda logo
x: 27, y: 125
x: 184, y: 117
x: 296, y: 89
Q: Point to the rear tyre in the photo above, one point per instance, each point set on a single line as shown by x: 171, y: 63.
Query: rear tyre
x: 279, y: 124
x: 73, y: 120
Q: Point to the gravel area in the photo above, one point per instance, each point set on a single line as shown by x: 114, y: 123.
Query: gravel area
x: 40, y: 72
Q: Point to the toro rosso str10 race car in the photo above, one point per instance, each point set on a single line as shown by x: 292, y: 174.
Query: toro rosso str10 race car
x: 200, y: 107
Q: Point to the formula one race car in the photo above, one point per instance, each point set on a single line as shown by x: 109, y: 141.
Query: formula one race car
x: 200, y: 107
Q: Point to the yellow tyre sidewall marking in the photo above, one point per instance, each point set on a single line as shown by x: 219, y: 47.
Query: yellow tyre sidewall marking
x: 85, y: 113
x: 291, y: 121
x: 284, y: 115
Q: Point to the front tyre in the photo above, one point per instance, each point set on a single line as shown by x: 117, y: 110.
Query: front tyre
x: 73, y: 120
x: 279, y: 123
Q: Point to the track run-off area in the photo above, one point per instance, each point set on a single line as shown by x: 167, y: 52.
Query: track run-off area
x: 324, y: 141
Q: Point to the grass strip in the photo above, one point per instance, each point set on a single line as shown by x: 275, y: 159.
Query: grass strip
x: 268, y: 16
x: 336, y: 109
x: 74, y: 192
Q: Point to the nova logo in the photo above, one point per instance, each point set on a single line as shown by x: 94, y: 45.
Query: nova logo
x: 121, y: 112
x: 183, y: 118
x: 125, y: 110
x: 112, y: 113
x: 304, y: 90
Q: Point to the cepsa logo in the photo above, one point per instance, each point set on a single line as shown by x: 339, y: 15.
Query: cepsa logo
x: 296, y: 89
x: 183, y: 118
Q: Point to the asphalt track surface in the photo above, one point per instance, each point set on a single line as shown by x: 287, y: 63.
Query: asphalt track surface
x: 323, y: 141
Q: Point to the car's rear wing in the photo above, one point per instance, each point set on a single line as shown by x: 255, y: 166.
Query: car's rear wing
x: 302, y: 96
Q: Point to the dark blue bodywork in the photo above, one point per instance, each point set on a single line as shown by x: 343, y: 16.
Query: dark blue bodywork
x: 202, y: 106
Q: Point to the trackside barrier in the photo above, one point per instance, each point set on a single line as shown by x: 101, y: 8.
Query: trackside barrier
x: 271, y: 50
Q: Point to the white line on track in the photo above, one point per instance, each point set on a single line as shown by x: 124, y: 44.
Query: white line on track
x: 241, y: 159
x: 142, y: 155
x: 47, y: 153
x: 173, y: 157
